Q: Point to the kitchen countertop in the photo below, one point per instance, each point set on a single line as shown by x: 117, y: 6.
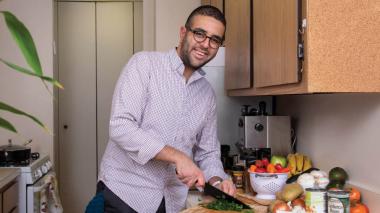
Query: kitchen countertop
x: 7, y: 175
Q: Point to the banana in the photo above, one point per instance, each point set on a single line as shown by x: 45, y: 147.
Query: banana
x: 306, y: 163
x: 299, y: 161
x: 292, y: 163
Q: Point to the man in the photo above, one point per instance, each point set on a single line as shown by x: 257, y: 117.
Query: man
x: 164, y: 117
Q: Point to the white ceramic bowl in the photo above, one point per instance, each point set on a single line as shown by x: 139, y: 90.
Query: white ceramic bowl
x: 267, y: 184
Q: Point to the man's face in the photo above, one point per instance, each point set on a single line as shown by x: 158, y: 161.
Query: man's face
x: 193, y: 53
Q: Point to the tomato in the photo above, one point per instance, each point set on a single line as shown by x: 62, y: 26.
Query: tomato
x: 284, y: 170
x: 260, y: 170
x: 270, y: 168
x: 252, y: 168
x: 359, y: 208
x: 354, y: 195
x: 278, y: 166
x: 259, y: 164
x: 265, y: 162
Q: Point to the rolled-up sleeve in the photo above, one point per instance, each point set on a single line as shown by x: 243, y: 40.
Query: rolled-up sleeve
x: 129, y: 100
x: 207, y: 150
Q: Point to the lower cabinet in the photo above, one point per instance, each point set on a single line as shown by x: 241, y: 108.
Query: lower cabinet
x: 9, y: 198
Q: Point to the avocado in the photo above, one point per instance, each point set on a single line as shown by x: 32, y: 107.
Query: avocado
x: 338, y: 174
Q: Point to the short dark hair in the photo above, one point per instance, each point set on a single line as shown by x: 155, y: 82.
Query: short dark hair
x: 206, y: 10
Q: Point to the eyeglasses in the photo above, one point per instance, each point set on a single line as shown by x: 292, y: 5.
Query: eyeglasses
x: 200, y: 36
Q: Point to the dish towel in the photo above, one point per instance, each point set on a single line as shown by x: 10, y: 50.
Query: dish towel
x: 54, y: 202
x: 43, y: 201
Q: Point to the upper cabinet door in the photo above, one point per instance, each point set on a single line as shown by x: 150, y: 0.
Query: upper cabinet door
x: 216, y: 3
x: 275, y: 42
x: 238, y: 67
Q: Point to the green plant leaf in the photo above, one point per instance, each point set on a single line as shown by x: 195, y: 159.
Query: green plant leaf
x: 6, y: 107
x: 24, y: 40
x: 28, y: 72
x: 7, y: 125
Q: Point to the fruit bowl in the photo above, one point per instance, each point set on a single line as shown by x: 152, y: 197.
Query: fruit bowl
x: 267, y: 184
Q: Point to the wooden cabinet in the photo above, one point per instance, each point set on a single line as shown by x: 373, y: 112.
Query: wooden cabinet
x: 338, y: 41
x: 216, y: 3
x: 9, y: 198
x: 275, y: 41
x: 238, y: 65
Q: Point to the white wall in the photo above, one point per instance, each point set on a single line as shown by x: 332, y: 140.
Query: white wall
x: 340, y: 130
x: 163, y: 19
x: 170, y: 15
x: 25, y: 92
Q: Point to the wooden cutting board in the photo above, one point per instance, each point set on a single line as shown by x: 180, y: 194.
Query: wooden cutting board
x: 259, y: 206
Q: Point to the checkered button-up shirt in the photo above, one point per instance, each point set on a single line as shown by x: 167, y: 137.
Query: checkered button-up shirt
x: 154, y: 106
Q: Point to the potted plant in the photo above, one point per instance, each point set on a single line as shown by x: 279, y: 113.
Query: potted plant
x: 24, y: 41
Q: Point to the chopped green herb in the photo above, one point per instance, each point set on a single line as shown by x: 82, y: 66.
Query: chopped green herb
x: 221, y: 204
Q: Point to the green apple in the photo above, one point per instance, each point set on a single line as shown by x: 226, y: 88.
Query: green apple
x: 275, y: 159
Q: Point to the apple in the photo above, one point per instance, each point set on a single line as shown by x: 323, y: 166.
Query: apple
x: 278, y: 159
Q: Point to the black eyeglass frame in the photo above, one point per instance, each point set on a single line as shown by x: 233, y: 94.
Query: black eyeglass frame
x: 212, y: 40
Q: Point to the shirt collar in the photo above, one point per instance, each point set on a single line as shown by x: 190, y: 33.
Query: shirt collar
x: 178, y: 66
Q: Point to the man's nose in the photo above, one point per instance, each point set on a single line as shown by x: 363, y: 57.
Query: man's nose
x: 206, y: 43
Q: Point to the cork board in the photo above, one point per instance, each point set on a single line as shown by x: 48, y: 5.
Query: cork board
x: 343, y: 45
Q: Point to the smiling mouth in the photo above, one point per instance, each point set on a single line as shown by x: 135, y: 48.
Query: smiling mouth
x: 199, y: 54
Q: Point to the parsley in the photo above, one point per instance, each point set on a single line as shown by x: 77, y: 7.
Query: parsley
x: 221, y: 204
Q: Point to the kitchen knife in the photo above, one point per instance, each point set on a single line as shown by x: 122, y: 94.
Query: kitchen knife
x: 218, y: 194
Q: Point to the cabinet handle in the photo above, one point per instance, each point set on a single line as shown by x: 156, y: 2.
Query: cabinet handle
x: 65, y: 126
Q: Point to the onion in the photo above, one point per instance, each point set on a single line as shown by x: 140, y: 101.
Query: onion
x: 298, y: 202
x: 281, y: 206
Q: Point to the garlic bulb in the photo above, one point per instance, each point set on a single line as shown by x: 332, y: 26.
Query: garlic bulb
x: 306, y: 180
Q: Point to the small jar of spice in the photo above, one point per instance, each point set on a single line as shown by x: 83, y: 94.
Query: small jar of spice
x: 238, y: 177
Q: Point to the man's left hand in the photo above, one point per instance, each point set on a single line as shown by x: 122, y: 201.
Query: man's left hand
x: 227, y: 186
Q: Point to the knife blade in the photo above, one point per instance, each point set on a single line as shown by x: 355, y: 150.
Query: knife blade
x: 218, y: 194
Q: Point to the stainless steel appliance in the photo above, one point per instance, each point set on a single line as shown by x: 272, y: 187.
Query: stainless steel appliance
x: 259, y: 130
x: 37, y: 186
x: 267, y: 132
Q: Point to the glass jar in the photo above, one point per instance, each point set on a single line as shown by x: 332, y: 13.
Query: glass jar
x: 238, y: 177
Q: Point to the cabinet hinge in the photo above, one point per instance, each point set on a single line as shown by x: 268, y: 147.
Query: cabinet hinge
x: 300, y: 51
x: 303, y: 27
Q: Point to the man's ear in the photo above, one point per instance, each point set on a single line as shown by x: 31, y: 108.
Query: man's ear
x: 182, y: 32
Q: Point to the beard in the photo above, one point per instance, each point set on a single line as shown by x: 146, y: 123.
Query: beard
x: 185, y: 55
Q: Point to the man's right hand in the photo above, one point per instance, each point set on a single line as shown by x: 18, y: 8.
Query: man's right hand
x: 186, y: 170
x: 189, y: 173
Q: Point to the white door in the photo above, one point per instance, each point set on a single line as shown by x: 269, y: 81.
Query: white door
x: 95, y: 41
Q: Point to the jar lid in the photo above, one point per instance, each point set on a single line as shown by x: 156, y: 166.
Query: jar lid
x: 238, y: 168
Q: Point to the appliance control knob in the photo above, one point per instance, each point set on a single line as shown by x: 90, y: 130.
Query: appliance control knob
x: 259, y: 127
x: 39, y: 172
x: 47, y: 165
x: 44, y: 169
x: 35, y: 174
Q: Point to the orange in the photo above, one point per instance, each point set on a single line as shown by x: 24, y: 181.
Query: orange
x: 359, y: 208
x: 354, y: 195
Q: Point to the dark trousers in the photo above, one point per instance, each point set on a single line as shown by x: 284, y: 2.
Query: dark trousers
x: 113, y: 204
